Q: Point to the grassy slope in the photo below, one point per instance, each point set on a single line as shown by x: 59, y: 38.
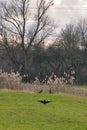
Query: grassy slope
x: 22, y: 111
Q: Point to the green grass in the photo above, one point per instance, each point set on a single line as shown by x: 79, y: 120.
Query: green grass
x: 78, y: 87
x: 84, y: 88
x: 22, y: 111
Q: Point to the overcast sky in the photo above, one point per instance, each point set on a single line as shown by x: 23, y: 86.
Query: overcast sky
x: 65, y: 11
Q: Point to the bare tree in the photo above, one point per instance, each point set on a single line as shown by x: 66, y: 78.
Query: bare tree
x: 69, y: 37
x: 14, y: 29
x: 82, y: 27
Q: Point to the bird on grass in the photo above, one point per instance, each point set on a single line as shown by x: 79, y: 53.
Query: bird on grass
x: 44, y: 101
x: 41, y: 91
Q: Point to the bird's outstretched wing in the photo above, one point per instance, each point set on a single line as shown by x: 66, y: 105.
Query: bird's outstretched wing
x: 44, y: 101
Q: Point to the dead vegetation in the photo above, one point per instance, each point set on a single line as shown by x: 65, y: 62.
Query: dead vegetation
x: 10, y: 80
x: 13, y: 82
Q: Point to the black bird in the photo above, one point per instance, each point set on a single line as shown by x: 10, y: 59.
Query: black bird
x: 41, y: 91
x: 50, y: 91
x: 44, y: 101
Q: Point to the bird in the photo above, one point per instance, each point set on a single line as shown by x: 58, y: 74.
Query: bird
x: 44, y: 101
x: 41, y: 91
x: 50, y: 91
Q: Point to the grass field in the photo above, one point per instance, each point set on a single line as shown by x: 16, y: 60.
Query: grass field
x: 22, y: 111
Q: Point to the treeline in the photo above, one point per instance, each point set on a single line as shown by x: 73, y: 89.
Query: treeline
x: 22, y: 48
x: 43, y: 62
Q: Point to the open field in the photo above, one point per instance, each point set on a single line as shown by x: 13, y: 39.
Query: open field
x: 22, y: 111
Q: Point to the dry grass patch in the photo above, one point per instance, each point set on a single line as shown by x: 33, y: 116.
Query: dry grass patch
x: 10, y: 80
x: 55, y: 89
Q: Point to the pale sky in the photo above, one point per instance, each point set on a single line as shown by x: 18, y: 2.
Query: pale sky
x: 65, y: 11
